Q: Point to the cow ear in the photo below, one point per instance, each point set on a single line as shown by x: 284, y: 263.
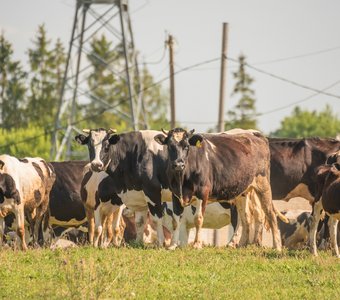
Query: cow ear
x: 82, y: 139
x: 114, y: 139
x: 196, y: 140
x: 2, y: 164
x: 161, y: 139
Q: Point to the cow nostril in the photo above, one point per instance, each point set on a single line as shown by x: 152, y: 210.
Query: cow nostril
x: 96, y: 165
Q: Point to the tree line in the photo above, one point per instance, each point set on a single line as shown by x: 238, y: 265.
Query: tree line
x: 29, y: 98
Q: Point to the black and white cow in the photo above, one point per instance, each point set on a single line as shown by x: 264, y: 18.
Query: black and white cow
x: 327, y: 199
x: 136, y: 164
x: 220, y: 166
x: 216, y: 216
x: 25, y: 186
x: 295, y: 233
x: 103, y: 208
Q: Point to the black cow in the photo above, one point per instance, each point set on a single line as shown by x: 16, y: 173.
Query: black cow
x: 136, y: 164
x: 327, y: 199
x: 219, y: 166
x: 293, y: 163
x: 66, y: 207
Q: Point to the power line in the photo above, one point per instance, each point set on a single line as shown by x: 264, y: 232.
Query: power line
x: 297, y: 102
x: 286, y: 80
x: 296, y: 56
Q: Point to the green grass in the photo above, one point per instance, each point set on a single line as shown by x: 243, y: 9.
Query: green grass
x: 140, y: 273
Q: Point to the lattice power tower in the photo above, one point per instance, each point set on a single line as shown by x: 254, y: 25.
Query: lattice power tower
x: 113, y: 17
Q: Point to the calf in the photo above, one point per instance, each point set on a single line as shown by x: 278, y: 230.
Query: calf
x: 25, y: 186
x: 219, y: 166
x: 327, y: 199
x: 103, y: 208
x: 217, y: 215
x: 295, y: 234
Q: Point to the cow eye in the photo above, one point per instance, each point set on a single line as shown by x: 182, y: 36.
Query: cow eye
x: 106, y: 146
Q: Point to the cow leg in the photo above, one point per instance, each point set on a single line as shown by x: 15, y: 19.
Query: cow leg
x: 109, y: 230
x: 140, y: 220
x: 237, y: 228
x: 98, y: 226
x: 2, y: 227
x: 156, y: 211
x: 38, y: 219
x: 117, y: 234
x: 314, y: 226
x: 241, y: 205
x: 90, y: 219
x: 183, y: 235
x: 333, y: 228
x: 259, y: 219
x: 20, y: 219
x: 198, y: 220
x: 104, y: 236
x: 265, y: 197
x: 177, y: 212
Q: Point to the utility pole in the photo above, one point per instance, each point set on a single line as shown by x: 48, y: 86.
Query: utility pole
x: 220, y: 126
x: 170, y: 43
x: 223, y: 76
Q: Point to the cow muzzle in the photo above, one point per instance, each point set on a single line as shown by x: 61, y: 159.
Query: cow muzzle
x: 97, y: 166
x: 178, y: 166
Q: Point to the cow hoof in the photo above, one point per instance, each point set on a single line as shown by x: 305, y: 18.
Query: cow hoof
x: 232, y: 245
x: 197, y: 245
x: 172, y: 247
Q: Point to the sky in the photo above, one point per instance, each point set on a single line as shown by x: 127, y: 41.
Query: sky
x: 296, y: 41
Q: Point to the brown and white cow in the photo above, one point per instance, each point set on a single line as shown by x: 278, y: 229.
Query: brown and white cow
x: 327, y: 199
x: 25, y: 186
x: 219, y: 166
x: 103, y: 208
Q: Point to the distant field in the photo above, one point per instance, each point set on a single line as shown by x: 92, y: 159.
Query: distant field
x: 87, y: 273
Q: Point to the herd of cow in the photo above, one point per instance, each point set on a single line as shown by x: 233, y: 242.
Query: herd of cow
x: 178, y: 179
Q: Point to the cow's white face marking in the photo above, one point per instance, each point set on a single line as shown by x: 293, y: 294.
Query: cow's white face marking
x: 178, y: 136
x: 148, y: 137
x: 97, y: 138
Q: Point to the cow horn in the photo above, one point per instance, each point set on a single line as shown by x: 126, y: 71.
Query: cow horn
x: 86, y: 130
x: 111, y: 130
x: 165, y: 131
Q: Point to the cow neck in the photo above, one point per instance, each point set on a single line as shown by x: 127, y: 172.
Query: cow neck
x: 124, y: 155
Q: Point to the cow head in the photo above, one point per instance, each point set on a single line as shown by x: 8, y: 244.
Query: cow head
x: 178, y: 142
x: 98, y: 142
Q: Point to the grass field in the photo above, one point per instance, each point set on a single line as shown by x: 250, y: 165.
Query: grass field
x: 87, y: 273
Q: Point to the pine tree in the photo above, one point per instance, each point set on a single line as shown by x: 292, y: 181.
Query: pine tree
x: 244, y: 113
x: 12, y: 87
x: 46, y: 66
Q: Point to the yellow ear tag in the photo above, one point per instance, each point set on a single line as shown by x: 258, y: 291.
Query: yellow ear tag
x: 198, y: 144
